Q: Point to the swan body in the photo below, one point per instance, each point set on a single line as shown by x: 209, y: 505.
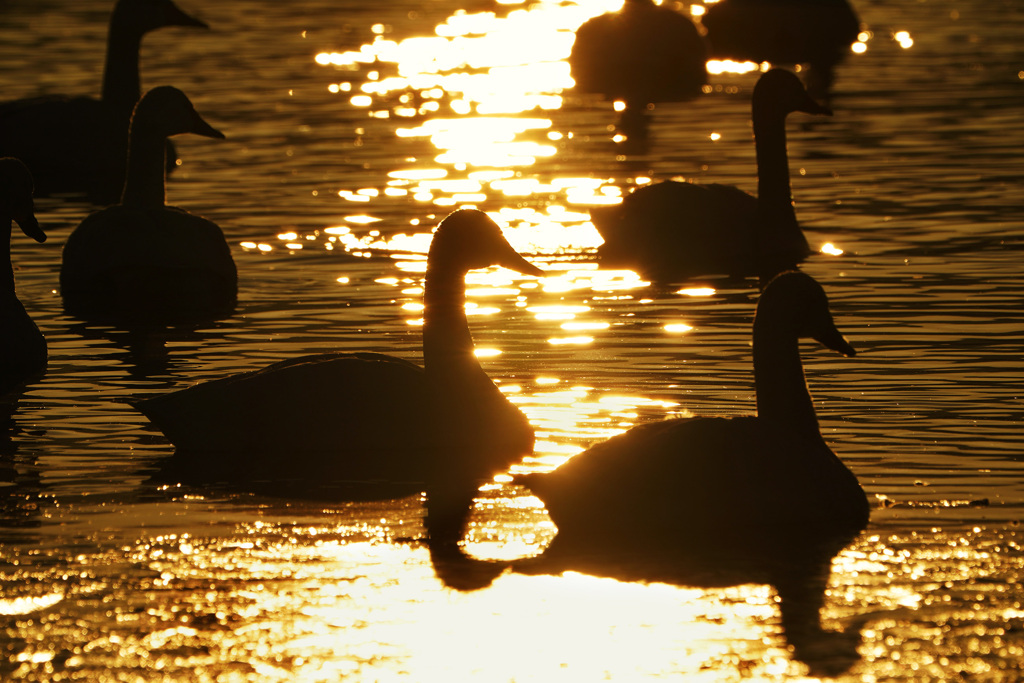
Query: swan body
x: 141, y: 261
x: 644, y: 53
x: 673, y: 231
x: 373, y: 423
x: 813, y: 32
x: 78, y: 144
x: 22, y: 346
x: 706, y: 489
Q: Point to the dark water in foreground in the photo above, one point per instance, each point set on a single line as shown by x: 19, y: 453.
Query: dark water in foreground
x: 106, y: 576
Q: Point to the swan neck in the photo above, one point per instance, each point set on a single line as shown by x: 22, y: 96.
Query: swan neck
x: 144, y: 180
x: 121, y: 83
x: 447, y: 343
x: 774, y: 196
x: 782, y: 394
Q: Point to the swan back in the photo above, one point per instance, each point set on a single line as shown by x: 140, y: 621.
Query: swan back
x: 342, y: 417
x: 644, y: 53
x: 676, y: 230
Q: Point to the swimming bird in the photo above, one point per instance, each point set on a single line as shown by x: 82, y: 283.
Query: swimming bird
x: 818, y: 33
x: 643, y: 53
x: 366, y: 425
x: 78, y: 144
x: 704, y: 491
x: 22, y: 345
x: 673, y: 231
x: 140, y: 261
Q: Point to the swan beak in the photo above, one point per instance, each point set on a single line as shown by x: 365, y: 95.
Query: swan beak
x: 513, y: 261
x: 176, y: 17
x: 30, y: 226
x: 811, y: 107
x: 834, y: 340
x: 201, y: 127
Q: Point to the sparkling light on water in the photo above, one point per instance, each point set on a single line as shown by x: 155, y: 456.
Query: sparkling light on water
x: 108, y: 576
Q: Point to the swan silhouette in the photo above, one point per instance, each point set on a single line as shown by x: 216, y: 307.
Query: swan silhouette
x: 813, y: 32
x: 366, y: 425
x: 642, y: 54
x: 141, y: 261
x: 673, y: 231
x: 22, y: 346
x: 710, y: 489
x: 78, y: 144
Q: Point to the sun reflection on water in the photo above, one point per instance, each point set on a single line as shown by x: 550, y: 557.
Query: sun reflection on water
x: 299, y: 591
x: 270, y: 599
x: 482, y: 91
x: 480, y: 99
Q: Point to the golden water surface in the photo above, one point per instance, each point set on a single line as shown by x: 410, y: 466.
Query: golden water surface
x: 352, y: 128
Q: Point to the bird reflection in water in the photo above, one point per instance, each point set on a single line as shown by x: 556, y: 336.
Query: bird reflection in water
x: 723, y: 501
x: 144, y: 348
x: 799, y: 574
x: 798, y: 571
x: 21, y: 482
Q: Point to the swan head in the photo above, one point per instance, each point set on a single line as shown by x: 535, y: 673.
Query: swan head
x: 468, y: 239
x: 16, y: 197
x: 167, y: 111
x: 781, y: 92
x: 796, y: 300
x: 143, y: 16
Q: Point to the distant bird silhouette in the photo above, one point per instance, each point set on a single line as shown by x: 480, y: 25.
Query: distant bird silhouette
x: 674, y: 231
x: 818, y: 33
x: 642, y: 54
x: 366, y: 425
x: 22, y: 346
x: 141, y: 262
x: 78, y: 144
x: 710, y: 489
